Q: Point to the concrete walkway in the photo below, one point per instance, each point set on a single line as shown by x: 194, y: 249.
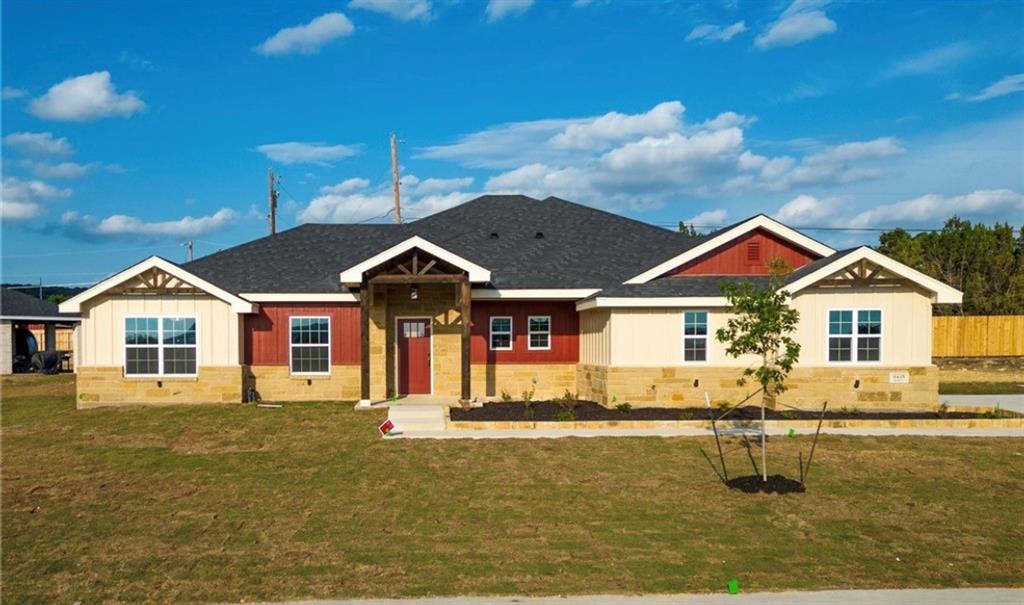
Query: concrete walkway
x: 954, y: 596
x: 1014, y: 403
x: 698, y: 432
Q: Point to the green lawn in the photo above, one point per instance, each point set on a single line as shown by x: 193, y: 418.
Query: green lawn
x: 232, y: 503
x: 982, y: 388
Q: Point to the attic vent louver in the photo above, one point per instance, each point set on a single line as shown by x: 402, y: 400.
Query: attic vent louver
x: 494, y: 235
x: 540, y: 235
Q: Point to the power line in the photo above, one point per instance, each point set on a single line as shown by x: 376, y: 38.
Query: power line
x: 79, y: 252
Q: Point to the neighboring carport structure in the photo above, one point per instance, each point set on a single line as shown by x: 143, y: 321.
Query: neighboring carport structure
x: 18, y: 311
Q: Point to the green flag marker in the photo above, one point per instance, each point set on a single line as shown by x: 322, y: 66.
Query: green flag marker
x: 792, y: 432
x: 734, y: 586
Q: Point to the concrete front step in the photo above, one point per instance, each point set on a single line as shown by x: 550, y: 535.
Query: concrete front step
x: 417, y: 418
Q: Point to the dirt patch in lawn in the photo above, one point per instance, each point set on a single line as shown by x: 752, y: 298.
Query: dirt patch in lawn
x: 776, y: 484
x: 981, y: 369
x: 552, y: 411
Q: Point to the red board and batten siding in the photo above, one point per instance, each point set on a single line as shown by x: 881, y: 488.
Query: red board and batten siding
x: 747, y: 255
x: 267, y: 333
x: 565, y: 330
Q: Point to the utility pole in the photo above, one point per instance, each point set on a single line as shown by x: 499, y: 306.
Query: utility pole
x: 188, y: 246
x: 40, y: 288
x: 271, y: 201
x: 394, y: 178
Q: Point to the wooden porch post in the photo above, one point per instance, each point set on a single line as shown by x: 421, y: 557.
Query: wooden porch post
x: 364, y: 322
x: 465, y: 310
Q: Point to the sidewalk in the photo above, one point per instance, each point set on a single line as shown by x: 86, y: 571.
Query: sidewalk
x: 698, y: 432
x: 952, y: 596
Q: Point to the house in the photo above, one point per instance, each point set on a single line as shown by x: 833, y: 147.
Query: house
x: 23, y: 319
x: 559, y: 297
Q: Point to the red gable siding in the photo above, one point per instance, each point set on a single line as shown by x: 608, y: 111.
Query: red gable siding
x: 746, y: 255
x: 267, y: 334
x: 565, y: 331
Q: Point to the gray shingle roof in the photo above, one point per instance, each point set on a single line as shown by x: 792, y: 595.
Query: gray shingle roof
x: 14, y: 304
x: 579, y: 247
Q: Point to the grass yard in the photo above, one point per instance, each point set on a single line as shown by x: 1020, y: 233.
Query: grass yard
x: 232, y: 503
x: 982, y: 388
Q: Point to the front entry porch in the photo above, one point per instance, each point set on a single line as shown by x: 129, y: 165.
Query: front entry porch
x: 415, y: 330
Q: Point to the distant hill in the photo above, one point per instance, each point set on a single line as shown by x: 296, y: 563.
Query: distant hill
x: 59, y: 293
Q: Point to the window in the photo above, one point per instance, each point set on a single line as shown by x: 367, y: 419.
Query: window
x: 501, y: 333
x: 854, y: 341
x: 540, y: 332
x: 155, y: 346
x: 310, y: 346
x: 695, y: 336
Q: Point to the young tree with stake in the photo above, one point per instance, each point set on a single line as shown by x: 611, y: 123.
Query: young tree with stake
x: 761, y: 325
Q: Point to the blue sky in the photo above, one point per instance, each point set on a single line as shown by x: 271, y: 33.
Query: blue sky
x: 130, y: 128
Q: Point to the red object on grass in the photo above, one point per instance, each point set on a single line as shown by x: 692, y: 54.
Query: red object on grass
x: 386, y: 427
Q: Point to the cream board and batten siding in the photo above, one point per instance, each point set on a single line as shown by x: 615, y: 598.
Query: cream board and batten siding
x: 906, y: 323
x: 102, y: 329
x: 595, y: 337
x: 653, y: 337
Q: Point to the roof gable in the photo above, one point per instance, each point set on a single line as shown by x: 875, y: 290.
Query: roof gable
x: 354, y: 274
x: 729, y: 234
x: 747, y: 254
x: 239, y: 305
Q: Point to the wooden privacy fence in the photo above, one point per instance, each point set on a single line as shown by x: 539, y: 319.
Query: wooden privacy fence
x: 977, y: 335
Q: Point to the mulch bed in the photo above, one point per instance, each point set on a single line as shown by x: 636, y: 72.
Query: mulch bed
x: 776, y: 484
x: 552, y: 411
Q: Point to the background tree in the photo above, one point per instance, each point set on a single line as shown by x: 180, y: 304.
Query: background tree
x: 687, y: 229
x: 762, y: 325
x: 985, y: 263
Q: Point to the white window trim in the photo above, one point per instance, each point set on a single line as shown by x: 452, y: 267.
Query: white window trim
x: 159, y: 346
x: 705, y: 338
x: 491, y: 333
x: 855, y: 337
x: 292, y: 345
x: 530, y: 332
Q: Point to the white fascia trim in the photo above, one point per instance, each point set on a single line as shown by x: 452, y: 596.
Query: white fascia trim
x: 238, y: 305
x: 943, y: 293
x: 535, y: 294
x: 50, y: 319
x: 299, y: 297
x: 658, y: 301
x: 354, y: 274
x: 758, y: 222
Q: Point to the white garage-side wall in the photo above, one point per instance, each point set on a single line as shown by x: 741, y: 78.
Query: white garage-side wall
x: 102, y: 330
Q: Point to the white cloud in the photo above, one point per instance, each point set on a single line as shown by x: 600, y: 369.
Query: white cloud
x: 10, y: 92
x: 929, y: 61
x: 716, y: 33
x: 38, y: 143
x: 403, y: 10
x: 614, y: 126
x: 804, y: 90
x: 807, y: 210
x: 499, y: 9
x: 84, y: 99
x: 123, y: 226
x: 294, y: 152
x: 1005, y: 86
x: 802, y: 21
x: 503, y: 146
x: 709, y: 218
x: 837, y: 165
x: 346, y: 186
x: 59, y: 170
x: 307, y: 39
x: 933, y: 208
x: 22, y: 199
x: 433, y: 186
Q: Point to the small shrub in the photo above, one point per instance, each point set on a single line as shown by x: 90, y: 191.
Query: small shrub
x: 789, y: 414
x: 528, y: 396
x: 624, y: 407
x: 506, y: 396
x: 686, y: 415
x: 568, y: 398
x: 565, y: 415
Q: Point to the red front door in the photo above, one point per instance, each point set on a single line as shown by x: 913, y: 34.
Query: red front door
x: 413, y: 356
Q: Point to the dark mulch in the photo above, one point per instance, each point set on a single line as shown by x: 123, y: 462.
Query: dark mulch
x: 776, y: 484
x: 549, y: 411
